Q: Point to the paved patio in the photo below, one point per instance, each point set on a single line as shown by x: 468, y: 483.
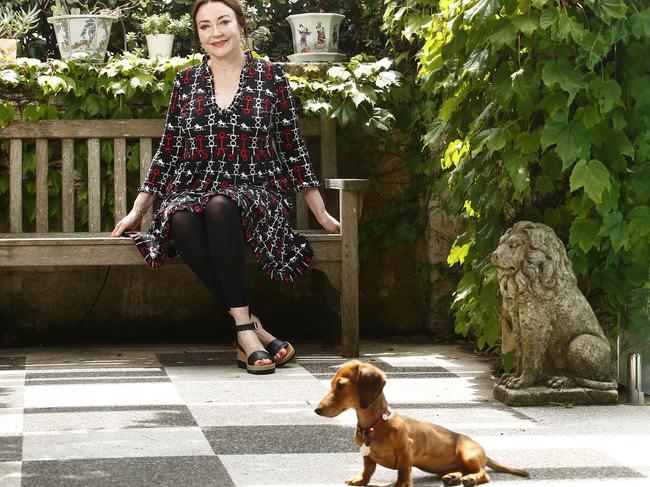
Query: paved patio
x: 185, y: 415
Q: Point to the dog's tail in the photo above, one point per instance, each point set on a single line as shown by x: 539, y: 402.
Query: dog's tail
x: 497, y: 467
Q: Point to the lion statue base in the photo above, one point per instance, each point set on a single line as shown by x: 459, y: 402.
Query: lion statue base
x: 559, y: 343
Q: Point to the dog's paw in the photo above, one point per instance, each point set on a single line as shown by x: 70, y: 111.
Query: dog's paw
x: 451, y: 479
x: 468, y: 481
x: 357, y: 480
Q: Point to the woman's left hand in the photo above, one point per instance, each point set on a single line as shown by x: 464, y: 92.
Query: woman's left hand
x: 329, y: 223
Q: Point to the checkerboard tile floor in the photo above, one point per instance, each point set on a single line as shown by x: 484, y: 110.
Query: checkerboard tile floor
x: 176, y: 416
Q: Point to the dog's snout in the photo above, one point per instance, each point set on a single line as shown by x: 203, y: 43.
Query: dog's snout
x: 319, y: 411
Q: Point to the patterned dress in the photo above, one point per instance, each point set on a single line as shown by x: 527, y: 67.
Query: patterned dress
x: 207, y: 150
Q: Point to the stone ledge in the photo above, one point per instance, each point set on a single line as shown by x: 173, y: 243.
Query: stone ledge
x: 543, y: 396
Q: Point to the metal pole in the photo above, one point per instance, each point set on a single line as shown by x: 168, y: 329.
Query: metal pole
x: 634, y: 392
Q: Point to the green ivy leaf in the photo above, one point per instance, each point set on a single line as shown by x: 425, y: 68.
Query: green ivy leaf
x: 517, y: 167
x: 6, y: 114
x: 639, y: 218
x: 616, y: 228
x: 592, y: 176
x: 526, y: 23
x: 608, y: 93
x: 563, y: 73
x: 608, y: 9
x: 588, y: 115
x: 476, y: 61
x: 584, y: 233
x: 481, y: 11
x: 504, y: 35
x: 570, y: 138
x: 548, y: 17
x: 458, y: 253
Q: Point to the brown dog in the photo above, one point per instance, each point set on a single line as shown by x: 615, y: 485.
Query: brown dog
x: 398, y: 442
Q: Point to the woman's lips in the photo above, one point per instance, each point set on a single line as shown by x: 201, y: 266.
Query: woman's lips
x: 218, y: 44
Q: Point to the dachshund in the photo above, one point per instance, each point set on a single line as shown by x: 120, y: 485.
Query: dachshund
x: 398, y: 442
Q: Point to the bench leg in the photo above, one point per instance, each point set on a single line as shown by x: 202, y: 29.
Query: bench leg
x: 349, y: 274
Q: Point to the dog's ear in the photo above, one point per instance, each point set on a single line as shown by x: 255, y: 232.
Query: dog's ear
x: 370, y: 383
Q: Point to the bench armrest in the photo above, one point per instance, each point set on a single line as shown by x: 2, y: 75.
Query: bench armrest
x: 360, y: 185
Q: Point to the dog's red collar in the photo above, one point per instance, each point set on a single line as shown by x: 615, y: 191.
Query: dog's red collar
x: 365, y: 433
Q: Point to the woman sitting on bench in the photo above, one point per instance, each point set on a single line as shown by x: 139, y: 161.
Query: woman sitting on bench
x: 222, y: 183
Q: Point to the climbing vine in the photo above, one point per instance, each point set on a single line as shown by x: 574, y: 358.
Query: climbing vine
x: 541, y: 110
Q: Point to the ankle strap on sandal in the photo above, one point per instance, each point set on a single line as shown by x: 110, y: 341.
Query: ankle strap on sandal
x: 246, y: 326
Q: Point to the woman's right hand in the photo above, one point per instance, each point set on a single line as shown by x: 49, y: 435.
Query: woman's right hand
x: 129, y: 222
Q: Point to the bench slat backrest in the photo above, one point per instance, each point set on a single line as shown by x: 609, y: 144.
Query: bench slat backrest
x: 66, y: 132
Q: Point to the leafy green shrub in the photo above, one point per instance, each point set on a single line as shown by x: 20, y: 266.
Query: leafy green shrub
x: 541, y: 108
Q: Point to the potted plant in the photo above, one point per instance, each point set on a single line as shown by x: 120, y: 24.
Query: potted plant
x: 13, y: 26
x: 84, y: 35
x: 160, y: 30
x: 315, y: 36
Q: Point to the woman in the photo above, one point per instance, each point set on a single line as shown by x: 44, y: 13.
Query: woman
x: 222, y: 182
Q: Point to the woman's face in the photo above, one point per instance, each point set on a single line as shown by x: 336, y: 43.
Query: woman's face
x: 218, y: 29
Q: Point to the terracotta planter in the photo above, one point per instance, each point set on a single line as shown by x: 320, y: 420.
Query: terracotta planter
x: 8, y: 48
x: 160, y: 45
x: 315, y: 37
x: 82, y: 36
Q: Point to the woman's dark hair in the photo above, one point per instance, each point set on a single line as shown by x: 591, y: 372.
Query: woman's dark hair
x: 233, y: 4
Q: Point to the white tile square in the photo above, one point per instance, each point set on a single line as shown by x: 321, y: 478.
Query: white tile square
x: 109, y: 394
x: 143, y: 442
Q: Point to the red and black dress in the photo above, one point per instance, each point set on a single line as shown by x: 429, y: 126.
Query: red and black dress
x: 207, y: 150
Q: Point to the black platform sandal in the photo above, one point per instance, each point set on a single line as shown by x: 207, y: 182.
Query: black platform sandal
x: 275, y: 345
x: 248, y: 363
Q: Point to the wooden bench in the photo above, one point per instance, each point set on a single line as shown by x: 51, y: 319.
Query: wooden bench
x: 335, y: 255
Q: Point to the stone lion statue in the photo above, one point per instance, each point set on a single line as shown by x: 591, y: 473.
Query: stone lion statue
x: 558, y: 339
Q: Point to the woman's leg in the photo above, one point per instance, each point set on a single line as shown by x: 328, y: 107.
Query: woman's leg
x: 190, y: 238
x: 227, y: 248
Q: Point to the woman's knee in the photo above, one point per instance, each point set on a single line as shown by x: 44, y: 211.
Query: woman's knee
x: 183, y: 222
x: 221, y: 209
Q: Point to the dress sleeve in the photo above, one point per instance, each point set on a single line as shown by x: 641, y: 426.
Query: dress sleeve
x: 170, y: 149
x: 290, y: 145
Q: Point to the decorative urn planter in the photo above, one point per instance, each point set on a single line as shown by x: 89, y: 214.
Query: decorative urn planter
x: 160, y: 45
x: 82, y: 36
x: 8, y: 48
x: 315, y: 37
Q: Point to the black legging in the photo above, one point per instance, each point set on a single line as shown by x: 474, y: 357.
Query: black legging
x: 212, y: 245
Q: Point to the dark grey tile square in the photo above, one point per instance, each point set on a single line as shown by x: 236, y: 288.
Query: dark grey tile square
x: 132, y: 472
x: 96, y: 377
x: 573, y: 473
x: 185, y: 359
x: 326, y: 369
x: 260, y: 440
x: 11, y: 448
x: 149, y: 416
x: 12, y: 363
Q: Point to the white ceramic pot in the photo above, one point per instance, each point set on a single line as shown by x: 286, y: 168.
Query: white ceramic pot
x: 8, y: 48
x: 314, y: 34
x: 160, y: 45
x: 82, y: 36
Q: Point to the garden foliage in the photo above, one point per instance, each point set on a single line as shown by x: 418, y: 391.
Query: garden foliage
x: 128, y: 87
x: 542, y: 108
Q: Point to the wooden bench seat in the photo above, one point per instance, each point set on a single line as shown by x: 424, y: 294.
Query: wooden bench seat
x: 335, y: 255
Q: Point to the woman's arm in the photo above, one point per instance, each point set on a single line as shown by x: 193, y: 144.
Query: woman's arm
x: 317, y: 205
x: 140, y: 206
